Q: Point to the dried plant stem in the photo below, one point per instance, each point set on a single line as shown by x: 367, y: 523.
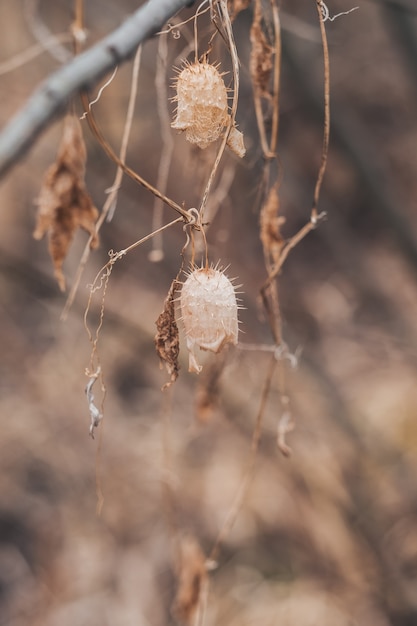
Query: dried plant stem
x: 101, y: 282
x: 270, y: 301
x: 109, y: 205
x: 257, y: 95
x: 167, y: 141
x: 291, y: 243
x: 268, y: 146
x: 136, y: 177
x: 98, y: 469
x: 326, y: 127
x: 246, y: 480
x: 224, y: 14
x: 286, y: 422
x: 276, y: 79
x: 221, y: 192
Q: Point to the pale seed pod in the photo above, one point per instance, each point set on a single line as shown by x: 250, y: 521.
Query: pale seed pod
x: 202, y: 109
x: 209, y: 312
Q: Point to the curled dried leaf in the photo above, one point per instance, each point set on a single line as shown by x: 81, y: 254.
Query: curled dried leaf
x: 192, y: 581
x: 167, y: 342
x: 270, y: 226
x: 64, y: 203
x: 261, y: 63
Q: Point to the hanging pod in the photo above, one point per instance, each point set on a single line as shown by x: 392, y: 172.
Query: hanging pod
x: 209, y: 312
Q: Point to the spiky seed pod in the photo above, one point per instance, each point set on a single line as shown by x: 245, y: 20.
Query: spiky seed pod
x: 202, y: 109
x: 209, y: 312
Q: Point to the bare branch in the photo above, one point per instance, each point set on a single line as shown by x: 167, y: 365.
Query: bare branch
x: 84, y: 71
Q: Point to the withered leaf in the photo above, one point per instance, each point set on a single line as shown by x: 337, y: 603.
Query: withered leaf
x: 64, y: 203
x: 261, y: 56
x: 192, y: 581
x: 270, y: 226
x: 167, y: 341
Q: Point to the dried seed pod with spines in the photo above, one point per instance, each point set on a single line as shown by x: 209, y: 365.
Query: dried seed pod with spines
x: 202, y: 109
x: 209, y: 312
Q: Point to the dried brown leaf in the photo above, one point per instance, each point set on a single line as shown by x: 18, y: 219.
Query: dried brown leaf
x: 167, y: 341
x: 64, y: 203
x: 260, y: 63
x: 270, y: 226
x: 192, y: 581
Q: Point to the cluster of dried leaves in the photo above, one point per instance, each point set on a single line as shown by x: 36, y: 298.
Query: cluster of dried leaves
x: 64, y: 202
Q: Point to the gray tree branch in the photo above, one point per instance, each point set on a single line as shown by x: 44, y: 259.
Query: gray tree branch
x: 50, y: 99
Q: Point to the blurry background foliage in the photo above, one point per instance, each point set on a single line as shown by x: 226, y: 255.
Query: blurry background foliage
x: 326, y: 537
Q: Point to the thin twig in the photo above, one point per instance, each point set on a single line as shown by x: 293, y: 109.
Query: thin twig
x: 134, y: 175
x: 110, y: 204
x: 84, y: 71
x: 290, y: 245
x: 326, y: 126
x: 224, y: 13
x: 156, y: 253
x: 244, y: 485
x: 276, y: 77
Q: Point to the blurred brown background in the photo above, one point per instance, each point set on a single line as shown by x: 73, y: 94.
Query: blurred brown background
x: 326, y: 537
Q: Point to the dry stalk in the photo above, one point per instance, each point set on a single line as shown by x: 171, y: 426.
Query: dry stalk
x: 326, y: 125
x: 265, y: 66
x: 100, y: 283
x: 131, y: 173
x: 247, y: 477
x: 109, y: 206
x: 226, y: 23
x: 162, y: 98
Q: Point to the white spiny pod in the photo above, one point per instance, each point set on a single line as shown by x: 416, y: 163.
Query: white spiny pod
x: 209, y: 312
x: 202, y: 109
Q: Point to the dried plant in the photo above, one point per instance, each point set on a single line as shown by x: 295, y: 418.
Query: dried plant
x: 64, y: 203
x: 167, y: 337
x: 206, y: 111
